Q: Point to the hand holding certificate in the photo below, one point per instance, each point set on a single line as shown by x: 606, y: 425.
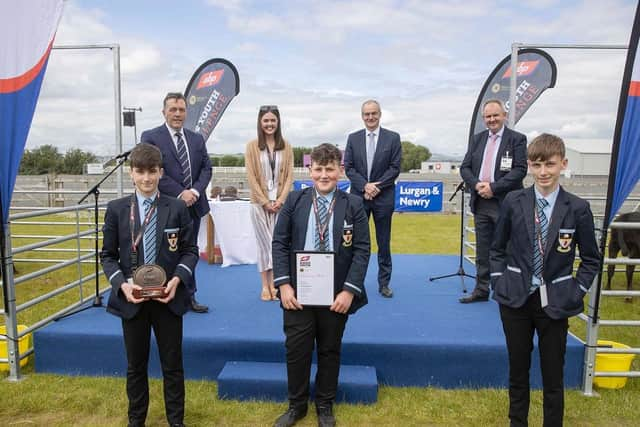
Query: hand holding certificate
x: 314, y: 278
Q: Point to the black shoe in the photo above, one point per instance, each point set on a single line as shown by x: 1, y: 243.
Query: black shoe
x: 292, y: 416
x: 474, y: 298
x: 197, y: 307
x: 325, y: 416
x: 386, y: 291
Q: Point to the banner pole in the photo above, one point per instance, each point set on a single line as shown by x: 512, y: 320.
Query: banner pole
x: 513, y: 84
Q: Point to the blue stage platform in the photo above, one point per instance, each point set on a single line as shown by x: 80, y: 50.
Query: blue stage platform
x: 420, y: 337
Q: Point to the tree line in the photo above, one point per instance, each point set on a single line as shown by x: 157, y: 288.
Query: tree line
x: 46, y: 159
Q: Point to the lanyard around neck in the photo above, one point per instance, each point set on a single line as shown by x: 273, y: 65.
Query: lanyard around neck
x: 322, y: 227
x: 135, y: 239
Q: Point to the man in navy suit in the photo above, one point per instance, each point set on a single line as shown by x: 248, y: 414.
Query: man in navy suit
x: 319, y: 218
x: 532, y: 263
x: 161, y: 234
x: 187, y: 167
x: 372, y: 163
x: 495, y: 164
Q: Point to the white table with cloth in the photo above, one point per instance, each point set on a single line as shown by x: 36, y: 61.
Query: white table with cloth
x: 233, y: 232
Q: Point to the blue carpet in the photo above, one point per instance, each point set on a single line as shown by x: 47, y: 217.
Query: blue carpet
x: 420, y: 337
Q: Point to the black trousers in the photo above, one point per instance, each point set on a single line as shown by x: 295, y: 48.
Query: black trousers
x: 303, y: 329
x: 485, y: 219
x: 167, y: 328
x: 382, y: 220
x: 519, y: 325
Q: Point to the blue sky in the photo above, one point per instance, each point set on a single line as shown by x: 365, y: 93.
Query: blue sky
x: 425, y: 61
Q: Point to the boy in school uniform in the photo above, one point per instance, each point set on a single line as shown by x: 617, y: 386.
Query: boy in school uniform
x: 319, y: 218
x: 150, y: 228
x: 532, y: 259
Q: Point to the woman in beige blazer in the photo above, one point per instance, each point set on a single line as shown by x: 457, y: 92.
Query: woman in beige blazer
x: 269, y: 164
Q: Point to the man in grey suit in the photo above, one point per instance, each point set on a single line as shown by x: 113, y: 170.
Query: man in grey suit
x: 495, y: 164
x: 372, y: 163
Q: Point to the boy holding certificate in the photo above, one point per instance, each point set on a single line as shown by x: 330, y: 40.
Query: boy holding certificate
x: 532, y: 264
x: 150, y: 230
x: 315, y: 223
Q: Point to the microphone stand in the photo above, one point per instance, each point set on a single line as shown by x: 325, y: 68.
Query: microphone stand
x: 460, y: 188
x: 95, y: 190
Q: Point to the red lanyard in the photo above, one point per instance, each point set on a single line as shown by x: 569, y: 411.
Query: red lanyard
x: 322, y: 227
x: 132, y: 221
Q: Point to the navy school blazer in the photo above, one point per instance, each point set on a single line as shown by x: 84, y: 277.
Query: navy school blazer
x: 351, y: 259
x: 511, y: 255
x: 177, y: 260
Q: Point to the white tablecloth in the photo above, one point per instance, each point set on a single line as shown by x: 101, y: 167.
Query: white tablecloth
x: 234, y: 232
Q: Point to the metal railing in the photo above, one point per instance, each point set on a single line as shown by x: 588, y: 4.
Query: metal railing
x: 78, y: 255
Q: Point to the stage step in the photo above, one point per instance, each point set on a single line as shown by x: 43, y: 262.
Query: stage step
x: 268, y: 381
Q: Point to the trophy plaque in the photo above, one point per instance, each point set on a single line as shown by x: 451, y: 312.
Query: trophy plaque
x: 151, y: 278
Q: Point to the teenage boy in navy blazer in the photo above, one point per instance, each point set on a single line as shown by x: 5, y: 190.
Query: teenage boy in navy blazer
x: 532, y: 263
x: 345, y: 231
x: 169, y: 244
x: 186, y: 164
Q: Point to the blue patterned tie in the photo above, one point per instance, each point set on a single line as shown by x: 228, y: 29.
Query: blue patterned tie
x: 184, y: 161
x: 542, y: 226
x: 321, y: 244
x: 150, y: 233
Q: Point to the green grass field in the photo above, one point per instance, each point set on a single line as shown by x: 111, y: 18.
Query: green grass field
x: 51, y: 400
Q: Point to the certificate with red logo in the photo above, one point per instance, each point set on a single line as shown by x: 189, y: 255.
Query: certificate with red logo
x: 314, y: 278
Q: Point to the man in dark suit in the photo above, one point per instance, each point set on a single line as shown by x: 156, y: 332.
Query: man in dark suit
x: 149, y: 228
x: 187, y: 167
x: 532, y: 261
x: 319, y: 218
x: 372, y: 163
x: 495, y: 164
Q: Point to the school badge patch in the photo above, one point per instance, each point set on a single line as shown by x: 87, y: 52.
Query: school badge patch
x: 172, y: 238
x: 565, y: 237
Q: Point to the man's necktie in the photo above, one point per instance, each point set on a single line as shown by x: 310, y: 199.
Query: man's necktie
x: 184, y: 161
x: 321, y: 244
x: 487, y: 162
x: 371, y: 151
x: 150, y: 233
x: 542, y: 225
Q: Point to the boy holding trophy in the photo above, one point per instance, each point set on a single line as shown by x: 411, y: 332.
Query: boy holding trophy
x: 149, y: 257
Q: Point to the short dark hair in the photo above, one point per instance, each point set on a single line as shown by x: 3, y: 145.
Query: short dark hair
x: 326, y: 153
x: 173, y: 95
x: 545, y: 146
x: 145, y: 156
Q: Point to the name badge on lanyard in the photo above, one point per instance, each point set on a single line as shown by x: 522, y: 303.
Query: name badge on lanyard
x: 506, y: 162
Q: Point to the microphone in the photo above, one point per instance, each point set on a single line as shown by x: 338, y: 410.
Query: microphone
x: 123, y: 155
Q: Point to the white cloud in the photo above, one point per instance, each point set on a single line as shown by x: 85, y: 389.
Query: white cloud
x: 318, y: 60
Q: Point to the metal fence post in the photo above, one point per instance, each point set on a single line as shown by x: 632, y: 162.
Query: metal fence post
x: 591, y: 342
x: 10, y: 315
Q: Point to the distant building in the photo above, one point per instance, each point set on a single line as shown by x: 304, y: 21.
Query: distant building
x: 588, y: 157
x: 439, y: 163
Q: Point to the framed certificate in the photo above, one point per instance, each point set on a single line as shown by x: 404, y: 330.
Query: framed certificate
x: 314, y: 278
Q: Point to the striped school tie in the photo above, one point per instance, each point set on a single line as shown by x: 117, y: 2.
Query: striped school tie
x: 183, y: 158
x: 321, y: 244
x: 542, y: 227
x: 150, y: 233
